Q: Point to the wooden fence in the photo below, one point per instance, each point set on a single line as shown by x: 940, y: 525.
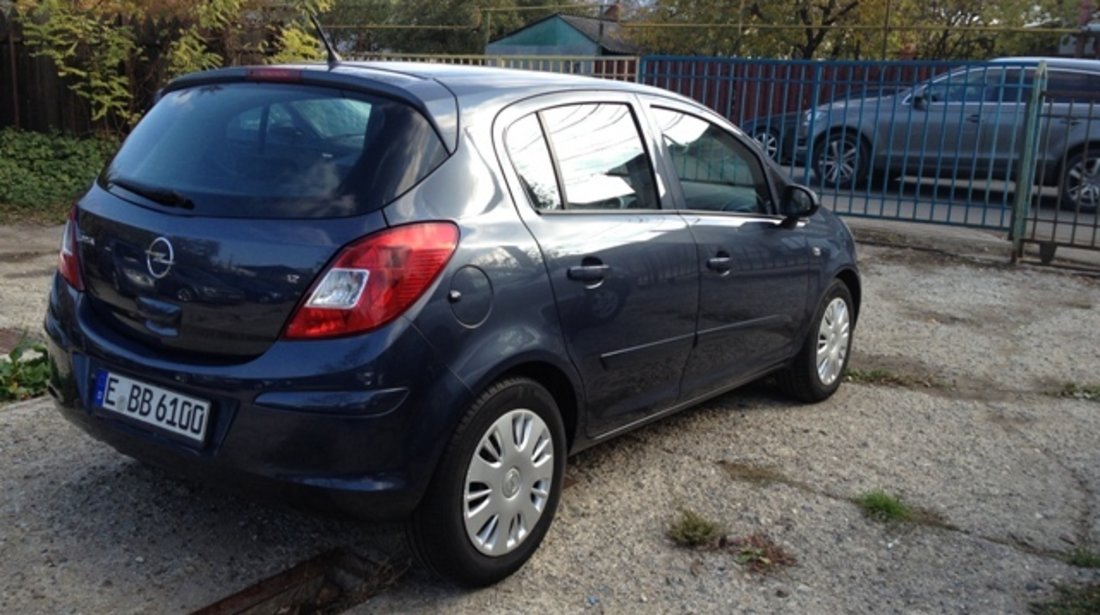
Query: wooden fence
x: 34, y: 97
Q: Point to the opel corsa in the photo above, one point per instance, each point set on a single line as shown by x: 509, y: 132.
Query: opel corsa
x: 411, y: 291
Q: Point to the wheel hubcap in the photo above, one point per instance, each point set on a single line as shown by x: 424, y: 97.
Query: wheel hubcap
x: 839, y: 160
x: 1083, y: 183
x: 508, y: 482
x: 832, y: 341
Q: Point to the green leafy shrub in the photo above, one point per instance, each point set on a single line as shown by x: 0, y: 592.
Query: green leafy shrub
x: 22, y: 377
x: 40, y: 174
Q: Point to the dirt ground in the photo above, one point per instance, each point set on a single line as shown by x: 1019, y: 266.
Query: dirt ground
x: 969, y: 427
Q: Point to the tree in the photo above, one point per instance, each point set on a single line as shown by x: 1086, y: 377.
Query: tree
x: 432, y: 26
x: 93, y: 44
x: 858, y: 29
x: 775, y: 28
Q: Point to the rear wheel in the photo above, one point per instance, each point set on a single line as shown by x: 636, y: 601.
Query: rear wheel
x: 841, y: 160
x: 1081, y: 182
x: 817, y: 370
x: 496, y: 488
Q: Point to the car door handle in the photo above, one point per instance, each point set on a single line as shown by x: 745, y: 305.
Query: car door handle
x: 974, y: 118
x: 588, y: 273
x: 1068, y: 121
x: 719, y: 263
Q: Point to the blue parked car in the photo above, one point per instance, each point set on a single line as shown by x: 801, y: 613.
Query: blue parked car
x: 414, y: 290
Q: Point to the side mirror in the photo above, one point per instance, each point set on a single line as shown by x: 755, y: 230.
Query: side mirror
x: 798, y: 202
x: 919, y: 99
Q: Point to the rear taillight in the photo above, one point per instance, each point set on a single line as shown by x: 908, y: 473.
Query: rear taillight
x: 374, y: 280
x: 68, y: 261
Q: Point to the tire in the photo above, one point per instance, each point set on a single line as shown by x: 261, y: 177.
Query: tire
x: 841, y: 160
x: 769, y: 142
x: 828, y: 344
x: 1081, y: 182
x: 479, y: 553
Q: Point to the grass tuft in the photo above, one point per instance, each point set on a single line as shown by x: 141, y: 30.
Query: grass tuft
x: 882, y: 506
x: 693, y: 530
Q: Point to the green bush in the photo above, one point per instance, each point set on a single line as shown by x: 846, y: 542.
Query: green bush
x: 40, y: 174
x: 22, y: 377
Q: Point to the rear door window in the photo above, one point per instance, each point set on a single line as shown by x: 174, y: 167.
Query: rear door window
x: 1073, y: 87
x: 276, y: 151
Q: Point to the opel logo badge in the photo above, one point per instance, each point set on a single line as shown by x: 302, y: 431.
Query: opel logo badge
x: 159, y: 258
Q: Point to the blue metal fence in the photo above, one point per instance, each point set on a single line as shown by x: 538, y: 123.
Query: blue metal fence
x: 934, y: 142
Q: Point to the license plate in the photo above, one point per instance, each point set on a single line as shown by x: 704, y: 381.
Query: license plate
x: 152, y: 405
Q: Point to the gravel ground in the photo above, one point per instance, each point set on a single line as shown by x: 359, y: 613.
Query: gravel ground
x: 1005, y: 471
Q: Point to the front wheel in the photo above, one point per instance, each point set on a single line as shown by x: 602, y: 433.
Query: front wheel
x: 817, y: 369
x: 496, y: 488
x: 840, y: 160
x: 1081, y: 182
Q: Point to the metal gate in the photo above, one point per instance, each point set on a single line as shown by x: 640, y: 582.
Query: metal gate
x: 1062, y: 151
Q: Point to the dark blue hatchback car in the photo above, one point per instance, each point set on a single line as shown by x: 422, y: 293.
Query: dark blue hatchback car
x: 410, y: 291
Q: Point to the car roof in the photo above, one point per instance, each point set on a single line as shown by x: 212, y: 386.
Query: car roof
x: 1076, y: 63
x: 440, y: 91
x: 499, y: 84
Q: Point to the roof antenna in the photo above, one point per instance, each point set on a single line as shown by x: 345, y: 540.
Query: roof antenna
x: 334, y: 58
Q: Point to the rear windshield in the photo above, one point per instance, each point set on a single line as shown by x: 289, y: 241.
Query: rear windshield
x: 275, y: 151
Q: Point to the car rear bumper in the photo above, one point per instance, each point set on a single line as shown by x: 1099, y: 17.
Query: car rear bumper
x: 353, y: 424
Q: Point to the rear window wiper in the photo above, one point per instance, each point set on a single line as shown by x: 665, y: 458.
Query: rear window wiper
x: 163, y: 196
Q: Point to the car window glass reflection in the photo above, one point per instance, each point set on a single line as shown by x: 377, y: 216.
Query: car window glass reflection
x: 599, y: 151
x: 527, y: 148
x: 717, y: 173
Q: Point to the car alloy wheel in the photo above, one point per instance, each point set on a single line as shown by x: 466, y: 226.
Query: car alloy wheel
x: 840, y: 161
x: 1081, y: 184
x: 508, y: 482
x: 769, y: 142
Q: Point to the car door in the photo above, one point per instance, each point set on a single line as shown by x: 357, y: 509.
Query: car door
x: 1003, y: 116
x: 753, y: 269
x: 943, y: 134
x: 622, y: 264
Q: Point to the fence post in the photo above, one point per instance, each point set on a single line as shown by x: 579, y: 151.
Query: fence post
x: 1025, y: 176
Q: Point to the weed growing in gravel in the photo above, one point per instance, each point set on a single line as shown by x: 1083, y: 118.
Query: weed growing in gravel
x: 882, y: 506
x: 22, y: 377
x: 1083, y: 558
x: 1088, y: 392
x: 758, y: 552
x: 693, y: 530
x: 1079, y: 600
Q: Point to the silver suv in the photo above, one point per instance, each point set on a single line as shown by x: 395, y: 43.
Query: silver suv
x: 968, y: 123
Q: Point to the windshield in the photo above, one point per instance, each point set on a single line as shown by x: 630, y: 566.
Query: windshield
x: 275, y: 151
